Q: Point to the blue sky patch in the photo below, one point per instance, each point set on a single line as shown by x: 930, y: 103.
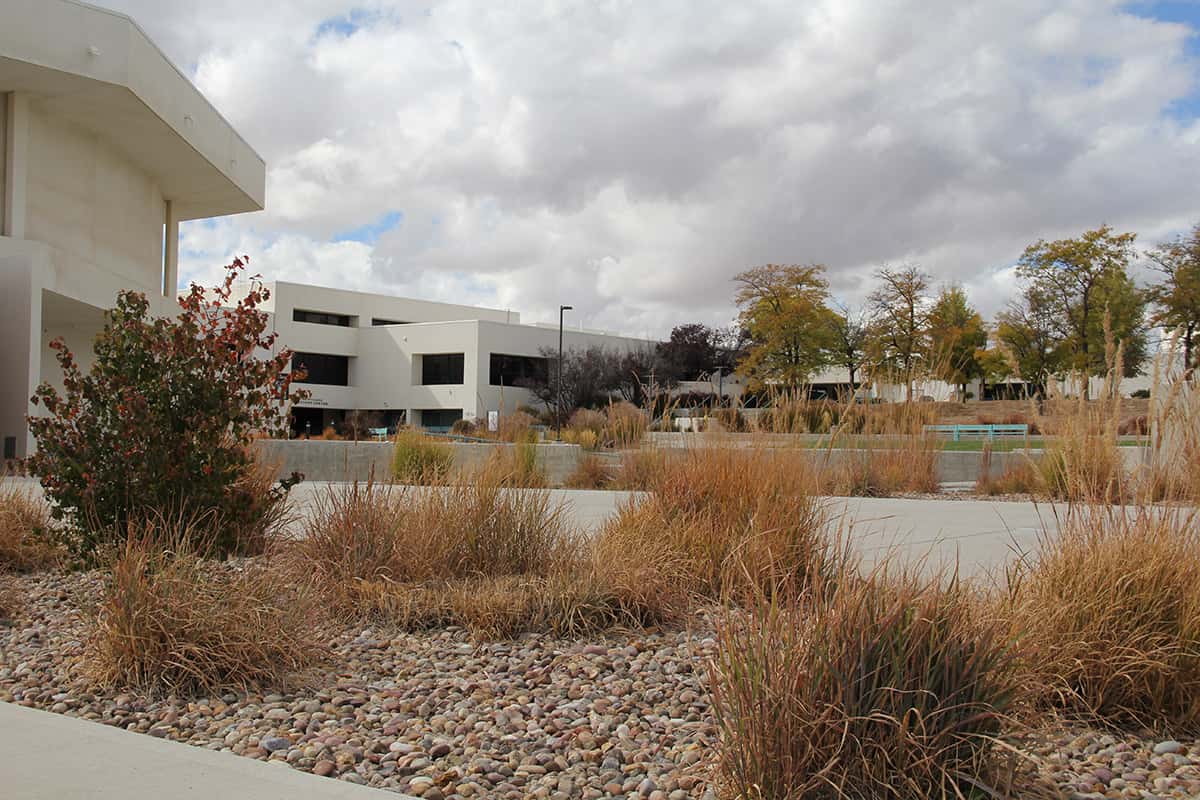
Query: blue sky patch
x: 1186, y: 12
x: 348, y: 23
x: 370, y: 233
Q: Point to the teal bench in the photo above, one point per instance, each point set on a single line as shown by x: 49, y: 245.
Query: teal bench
x: 379, y: 433
x: 978, y: 431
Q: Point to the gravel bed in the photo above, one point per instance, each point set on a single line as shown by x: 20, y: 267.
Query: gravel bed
x: 434, y: 715
x: 440, y: 716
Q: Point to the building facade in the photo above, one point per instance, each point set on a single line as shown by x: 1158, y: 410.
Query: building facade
x: 403, y: 361
x: 106, y: 148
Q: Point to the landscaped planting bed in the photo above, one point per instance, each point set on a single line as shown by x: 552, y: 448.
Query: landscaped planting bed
x: 439, y: 714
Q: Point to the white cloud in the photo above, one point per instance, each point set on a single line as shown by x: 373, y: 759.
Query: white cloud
x: 629, y: 158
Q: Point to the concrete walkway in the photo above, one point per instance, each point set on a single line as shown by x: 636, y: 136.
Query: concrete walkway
x: 46, y: 756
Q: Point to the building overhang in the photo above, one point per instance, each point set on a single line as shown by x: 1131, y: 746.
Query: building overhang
x: 99, y: 70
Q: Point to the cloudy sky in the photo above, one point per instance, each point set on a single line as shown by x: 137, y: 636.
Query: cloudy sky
x: 629, y: 156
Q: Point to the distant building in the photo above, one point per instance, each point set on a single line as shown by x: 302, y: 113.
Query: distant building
x: 106, y: 148
x: 398, y: 360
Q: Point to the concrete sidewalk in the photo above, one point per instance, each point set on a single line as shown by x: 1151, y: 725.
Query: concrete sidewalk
x: 46, y: 756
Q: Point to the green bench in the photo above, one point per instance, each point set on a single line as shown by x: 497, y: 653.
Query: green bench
x: 988, y: 432
x: 379, y: 433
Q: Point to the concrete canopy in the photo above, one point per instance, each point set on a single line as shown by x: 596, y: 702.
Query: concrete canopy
x: 99, y: 70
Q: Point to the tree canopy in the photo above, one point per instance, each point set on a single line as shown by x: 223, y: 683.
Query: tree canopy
x: 1176, y: 300
x: 899, y: 328
x: 784, y: 313
x: 956, y: 335
x: 1082, y: 281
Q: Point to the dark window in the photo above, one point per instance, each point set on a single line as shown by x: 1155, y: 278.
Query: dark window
x: 378, y: 321
x: 506, y: 370
x: 320, y: 368
x: 320, y: 318
x: 440, y: 417
x: 441, y: 368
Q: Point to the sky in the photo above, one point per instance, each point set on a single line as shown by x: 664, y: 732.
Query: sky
x: 629, y: 157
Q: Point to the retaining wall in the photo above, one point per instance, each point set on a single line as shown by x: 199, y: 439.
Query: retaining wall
x: 320, y: 460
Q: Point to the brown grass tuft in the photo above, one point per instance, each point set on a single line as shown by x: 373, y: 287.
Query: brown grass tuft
x: 639, y: 468
x: 1022, y: 476
x: 516, y: 427
x: 1109, y: 610
x: 420, y: 459
x: 477, y: 554
x: 889, y: 687
x: 592, y: 472
x: 727, y: 516
x: 26, y: 535
x: 170, y: 619
x: 907, y: 466
x: 625, y: 426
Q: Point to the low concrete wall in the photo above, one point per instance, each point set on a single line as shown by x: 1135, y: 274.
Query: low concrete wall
x: 954, y: 466
x: 320, y: 460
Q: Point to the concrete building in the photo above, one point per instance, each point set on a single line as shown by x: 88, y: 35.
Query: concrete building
x: 106, y: 148
x: 399, y: 360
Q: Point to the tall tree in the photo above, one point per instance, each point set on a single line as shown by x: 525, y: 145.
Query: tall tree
x: 956, y: 334
x: 1027, y: 331
x: 900, y: 307
x: 1121, y: 323
x: 1177, y: 299
x: 996, y: 365
x: 848, y: 340
x: 783, y: 311
x: 691, y: 351
x: 1078, y: 278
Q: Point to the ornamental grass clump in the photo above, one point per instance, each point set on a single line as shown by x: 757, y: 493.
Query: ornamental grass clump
x: 1109, y: 613
x: 164, y: 417
x: 892, y: 686
x: 420, y: 459
x: 907, y: 465
x: 730, y: 517
x: 625, y: 425
x: 591, y: 472
x: 27, y: 540
x: 477, y: 554
x: 170, y: 618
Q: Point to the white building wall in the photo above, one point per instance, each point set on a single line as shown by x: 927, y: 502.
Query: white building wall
x: 104, y: 146
x: 385, y: 361
x: 92, y: 204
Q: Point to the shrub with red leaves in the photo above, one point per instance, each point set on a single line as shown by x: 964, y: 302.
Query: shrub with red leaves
x: 162, y: 421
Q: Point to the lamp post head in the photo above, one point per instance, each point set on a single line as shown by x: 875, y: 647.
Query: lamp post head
x: 566, y: 308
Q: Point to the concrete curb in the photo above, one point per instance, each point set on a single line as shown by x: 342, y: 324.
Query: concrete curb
x: 52, y: 757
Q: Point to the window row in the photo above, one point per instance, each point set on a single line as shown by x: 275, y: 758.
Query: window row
x: 437, y: 369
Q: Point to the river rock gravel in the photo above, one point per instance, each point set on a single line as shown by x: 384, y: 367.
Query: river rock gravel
x: 440, y: 716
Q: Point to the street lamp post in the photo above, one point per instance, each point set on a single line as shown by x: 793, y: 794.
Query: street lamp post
x: 559, y: 393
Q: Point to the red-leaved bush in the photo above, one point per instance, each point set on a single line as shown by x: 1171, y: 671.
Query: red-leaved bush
x: 162, y: 421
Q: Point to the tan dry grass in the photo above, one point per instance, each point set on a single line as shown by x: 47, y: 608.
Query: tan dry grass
x: 1109, y: 614
x: 727, y: 516
x: 170, y: 619
x: 27, y: 539
x: 420, y: 459
x: 476, y: 554
x: 592, y: 472
x: 893, y: 686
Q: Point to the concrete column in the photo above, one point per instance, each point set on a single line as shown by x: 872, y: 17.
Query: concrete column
x: 16, y: 163
x: 171, y: 253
